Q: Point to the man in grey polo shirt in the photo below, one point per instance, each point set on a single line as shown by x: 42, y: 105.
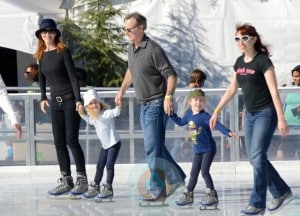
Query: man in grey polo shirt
x: 154, y: 80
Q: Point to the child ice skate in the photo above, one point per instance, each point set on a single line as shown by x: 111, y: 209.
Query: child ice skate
x: 102, y: 117
x: 204, y: 148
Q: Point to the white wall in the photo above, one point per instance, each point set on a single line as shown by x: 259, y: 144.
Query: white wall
x: 199, y: 33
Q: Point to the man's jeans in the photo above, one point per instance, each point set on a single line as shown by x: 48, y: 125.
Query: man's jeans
x: 161, y: 164
x: 259, y: 129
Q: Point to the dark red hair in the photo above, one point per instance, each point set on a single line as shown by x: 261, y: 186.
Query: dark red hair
x: 248, y: 29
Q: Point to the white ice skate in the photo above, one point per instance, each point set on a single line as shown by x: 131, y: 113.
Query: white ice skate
x: 210, y: 201
x: 106, y: 194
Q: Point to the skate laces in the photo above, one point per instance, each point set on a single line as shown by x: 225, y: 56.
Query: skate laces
x: 93, y: 185
x: 209, y: 196
x: 93, y: 188
x: 62, y: 181
x: 276, y: 203
x: 186, y: 195
x: 106, y: 189
x: 80, y: 180
x: 253, y: 210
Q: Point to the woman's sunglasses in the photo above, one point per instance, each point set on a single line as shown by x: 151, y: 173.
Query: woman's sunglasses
x: 244, y: 38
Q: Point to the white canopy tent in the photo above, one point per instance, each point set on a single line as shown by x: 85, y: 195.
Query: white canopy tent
x: 194, y: 33
x: 19, y: 19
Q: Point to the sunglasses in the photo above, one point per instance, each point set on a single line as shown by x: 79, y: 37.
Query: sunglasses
x: 27, y: 72
x: 244, y: 38
x: 130, y: 29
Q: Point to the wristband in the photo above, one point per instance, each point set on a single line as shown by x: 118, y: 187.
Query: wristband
x: 217, y: 111
x: 168, y: 97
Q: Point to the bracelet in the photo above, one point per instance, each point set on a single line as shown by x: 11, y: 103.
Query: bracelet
x: 168, y: 97
x: 217, y: 111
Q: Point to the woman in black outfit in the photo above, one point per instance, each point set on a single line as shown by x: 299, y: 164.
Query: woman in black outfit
x: 57, y: 67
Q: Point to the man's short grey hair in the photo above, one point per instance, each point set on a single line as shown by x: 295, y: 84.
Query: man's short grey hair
x: 140, y: 19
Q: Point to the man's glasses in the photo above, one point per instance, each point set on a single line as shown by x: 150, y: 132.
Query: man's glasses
x: 130, y: 29
x: 244, y: 38
x: 27, y: 72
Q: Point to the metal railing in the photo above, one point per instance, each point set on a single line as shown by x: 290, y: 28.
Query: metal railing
x: 36, y: 146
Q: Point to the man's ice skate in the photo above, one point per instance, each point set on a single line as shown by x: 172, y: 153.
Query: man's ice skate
x: 62, y: 190
x: 277, y: 204
x: 186, y: 199
x: 93, y: 191
x: 80, y: 187
x: 210, y: 201
x: 153, y: 198
x: 251, y: 210
x: 173, y: 188
x: 106, y: 194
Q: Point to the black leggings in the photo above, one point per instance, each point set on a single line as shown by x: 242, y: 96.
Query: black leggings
x: 201, y: 162
x: 65, y: 127
x: 107, y: 158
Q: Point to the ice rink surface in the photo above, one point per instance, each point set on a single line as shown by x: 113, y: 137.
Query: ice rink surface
x: 27, y: 196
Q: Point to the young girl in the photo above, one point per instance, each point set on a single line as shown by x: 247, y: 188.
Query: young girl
x: 204, y: 147
x: 102, y: 118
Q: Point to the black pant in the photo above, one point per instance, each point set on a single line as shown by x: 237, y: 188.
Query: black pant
x: 107, y: 158
x: 65, y: 127
x: 202, y: 162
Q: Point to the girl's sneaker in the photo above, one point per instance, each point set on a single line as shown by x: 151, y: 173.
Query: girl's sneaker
x: 186, y: 199
x: 93, y: 190
x: 211, y: 198
x: 81, y: 185
x: 105, y: 193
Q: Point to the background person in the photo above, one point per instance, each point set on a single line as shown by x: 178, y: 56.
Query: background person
x: 31, y: 75
x: 254, y: 73
x: 179, y: 146
x: 289, y: 146
x: 57, y: 67
x: 82, y: 76
x: 154, y: 81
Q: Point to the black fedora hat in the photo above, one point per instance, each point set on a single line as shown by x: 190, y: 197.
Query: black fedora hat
x: 47, y: 24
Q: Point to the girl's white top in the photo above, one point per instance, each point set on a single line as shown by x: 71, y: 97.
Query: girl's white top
x: 105, y: 126
x: 5, y: 103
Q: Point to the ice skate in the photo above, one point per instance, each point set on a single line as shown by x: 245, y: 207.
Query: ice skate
x: 210, y: 201
x: 173, y: 188
x: 80, y: 187
x: 277, y: 204
x: 186, y: 199
x: 153, y: 198
x: 106, y: 194
x: 251, y: 210
x: 62, y: 190
x: 93, y: 191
